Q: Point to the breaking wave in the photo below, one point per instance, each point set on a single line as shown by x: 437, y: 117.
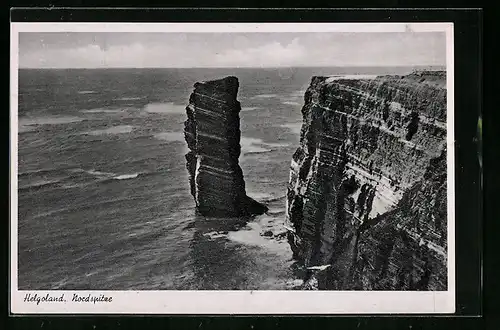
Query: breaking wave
x: 28, y: 124
x: 249, y: 108
x: 255, y: 146
x: 170, y: 136
x: 165, y: 108
x: 109, y: 175
x: 121, y: 129
x: 126, y: 176
x: 264, y: 96
x: 291, y: 103
x: 102, y: 111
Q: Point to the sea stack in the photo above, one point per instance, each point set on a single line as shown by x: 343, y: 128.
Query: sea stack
x: 366, y: 200
x: 212, y: 133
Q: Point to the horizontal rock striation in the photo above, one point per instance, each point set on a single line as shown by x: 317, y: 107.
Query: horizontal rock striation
x: 366, y: 200
x: 212, y: 133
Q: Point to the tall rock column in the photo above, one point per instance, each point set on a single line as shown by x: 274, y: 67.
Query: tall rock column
x: 212, y: 132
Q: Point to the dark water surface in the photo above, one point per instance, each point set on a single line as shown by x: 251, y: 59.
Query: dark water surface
x: 104, y: 198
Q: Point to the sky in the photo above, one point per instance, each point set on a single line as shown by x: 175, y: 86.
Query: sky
x: 187, y: 50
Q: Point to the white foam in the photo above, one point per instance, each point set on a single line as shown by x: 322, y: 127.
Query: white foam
x: 87, y: 92
x: 27, y: 124
x: 293, y: 127
x: 165, y: 108
x: 126, y: 176
x: 252, y: 145
x: 320, y: 268
x: 170, y: 136
x: 121, y: 129
x: 291, y: 103
x: 264, y: 96
x: 294, y: 283
x: 215, y: 234
x: 48, y: 120
x: 249, y: 108
x: 98, y: 173
x: 129, y: 98
x: 102, y: 111
x: 298, y: 94
x: 260, y: 196
x: 107, y: 175
x: 251, y: 235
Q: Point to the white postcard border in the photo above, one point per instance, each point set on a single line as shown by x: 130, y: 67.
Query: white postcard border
x: 232, y: 302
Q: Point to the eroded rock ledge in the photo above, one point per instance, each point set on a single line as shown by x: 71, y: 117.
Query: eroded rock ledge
x: 212, y: 132
x: 366, y: 201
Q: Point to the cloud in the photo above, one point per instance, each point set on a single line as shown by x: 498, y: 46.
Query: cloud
x: 226, y: 50
x: 139, y: 55
x: 269, y: 55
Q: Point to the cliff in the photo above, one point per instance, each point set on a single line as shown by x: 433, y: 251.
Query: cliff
x: 366, y: 201
x: 212, y: 133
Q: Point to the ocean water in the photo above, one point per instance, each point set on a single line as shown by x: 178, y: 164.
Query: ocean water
x: 103, y: 191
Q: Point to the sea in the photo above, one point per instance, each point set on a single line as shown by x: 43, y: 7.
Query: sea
x: 103, y: 192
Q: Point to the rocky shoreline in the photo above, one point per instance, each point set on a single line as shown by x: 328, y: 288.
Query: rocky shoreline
x: 366, y: 200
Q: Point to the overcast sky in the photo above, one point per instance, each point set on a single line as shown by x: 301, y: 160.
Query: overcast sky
x: 140, y: 50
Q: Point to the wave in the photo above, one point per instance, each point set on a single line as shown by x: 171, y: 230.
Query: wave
x: 216, y: 234
x: 256, y: 150
x: 251, y: 145
x: 86, y: 92
x: 129, y: 98
x: 165, y: 108
x: 264, y: 96
x: 293, y: 127
x: 274, y: 199
x: 262, y: 234
x: 109, y: 175
x: 67, y: 180
x: 266, y: 232
x: 39, y: 171
x: 99, y: 173
x: 28, y: 124
x: 120, y: 129
x: 39, y: 185
x: 170, y: 136
x: 249, y: 108
x: 126, y: 176
x: 102, y: 111
x: 265, y: 197
x: 298, y: 94
x: 291, y: 103
x: 276, y: 211
x: 25, y: 129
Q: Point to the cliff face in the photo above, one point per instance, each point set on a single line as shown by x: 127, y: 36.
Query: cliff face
x: 212, y: 132
x: 366, y: 202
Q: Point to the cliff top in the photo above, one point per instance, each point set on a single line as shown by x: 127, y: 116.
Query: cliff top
x: 229, y: 85
x: 435, y: 78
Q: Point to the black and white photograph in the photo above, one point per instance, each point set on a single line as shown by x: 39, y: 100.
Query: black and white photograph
x: 240, y: 168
